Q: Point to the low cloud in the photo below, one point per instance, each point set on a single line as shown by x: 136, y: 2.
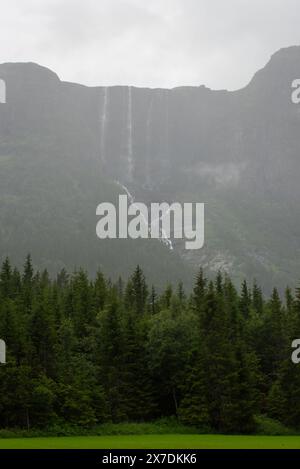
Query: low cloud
x: 162, y: 43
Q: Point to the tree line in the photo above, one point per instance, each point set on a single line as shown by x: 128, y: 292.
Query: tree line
x: 86, y: 351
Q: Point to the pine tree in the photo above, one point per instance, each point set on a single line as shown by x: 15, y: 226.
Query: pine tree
x: 245, y: 300
x: 27, y: 285
x: 199, y: 291
x: 136, y: 292
x: 6, y: 290
x: 111, y: 361
x: 180, y: 293
x: 257, y: 299
x: 166, y: 297
x: 84, y: 352
x: 153, y: 301
x: 100, y: 291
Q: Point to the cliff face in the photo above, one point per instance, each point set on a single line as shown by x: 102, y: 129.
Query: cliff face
x: 236, y: 151
x: 149, y: 136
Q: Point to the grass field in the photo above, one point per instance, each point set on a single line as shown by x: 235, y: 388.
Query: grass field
x: 155, y: 442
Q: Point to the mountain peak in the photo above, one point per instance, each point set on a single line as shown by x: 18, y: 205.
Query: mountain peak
x: 282, y: 68
x: 29, y: 71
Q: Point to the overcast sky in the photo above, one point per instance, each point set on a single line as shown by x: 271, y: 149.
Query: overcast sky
x: 156, y: 43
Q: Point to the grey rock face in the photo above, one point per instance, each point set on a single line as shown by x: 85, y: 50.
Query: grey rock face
x: 237, y: 151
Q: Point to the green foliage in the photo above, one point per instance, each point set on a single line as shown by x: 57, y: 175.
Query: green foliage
x: 162, y: 426
x: 83, y: 354
x: 267, y: 426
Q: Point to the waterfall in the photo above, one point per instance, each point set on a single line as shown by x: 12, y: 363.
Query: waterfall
x: 167, y: 129
x: 130, y: 162
x: 129, y: 136
x: 104, y: 124
x: 148, y: 142
x: 125, y: 189
x: 164, y: 239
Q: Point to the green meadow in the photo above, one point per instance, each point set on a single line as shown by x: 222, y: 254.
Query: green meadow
x: 155, y: 442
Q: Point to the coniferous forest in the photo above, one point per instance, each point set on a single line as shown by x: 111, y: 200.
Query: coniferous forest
x: 86, y: 351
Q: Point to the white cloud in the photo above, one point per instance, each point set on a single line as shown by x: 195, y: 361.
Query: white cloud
x: 157, y: 43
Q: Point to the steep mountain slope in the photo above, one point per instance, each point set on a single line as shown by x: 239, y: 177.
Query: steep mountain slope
x: 63, y: 145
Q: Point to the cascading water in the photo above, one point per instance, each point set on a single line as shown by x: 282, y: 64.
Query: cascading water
x: 125, y: 189
x: 129, y: 136
x: 148, y: 143
x: 130, y: 162
x: 167, y: 129
x: 164, y: 239
x: 104, y: 124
